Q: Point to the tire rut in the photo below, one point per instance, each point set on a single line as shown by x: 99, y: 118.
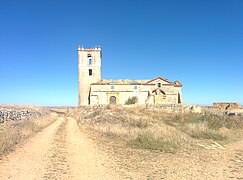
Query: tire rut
x: 58, y: 166
x: 29, y: 159
x: 235, y: 167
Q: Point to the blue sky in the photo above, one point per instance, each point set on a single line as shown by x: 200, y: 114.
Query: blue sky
x: 199, y: 43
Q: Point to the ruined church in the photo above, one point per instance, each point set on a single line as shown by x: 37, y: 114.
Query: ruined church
x: 93, y: 90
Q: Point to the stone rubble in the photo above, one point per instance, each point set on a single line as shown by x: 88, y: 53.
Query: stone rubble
x: 13, y: 114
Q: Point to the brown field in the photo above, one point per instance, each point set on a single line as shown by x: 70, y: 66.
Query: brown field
x: 122, y: 143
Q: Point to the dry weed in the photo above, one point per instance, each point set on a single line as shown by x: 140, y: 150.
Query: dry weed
x: 152, y: 129
x: 14, y: 132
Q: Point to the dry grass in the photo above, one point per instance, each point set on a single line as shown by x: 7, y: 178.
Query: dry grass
x: 149, y: 141
x: 14, y: 132
x: 158, y: 130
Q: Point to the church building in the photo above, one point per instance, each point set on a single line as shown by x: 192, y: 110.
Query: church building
x: 93, y: 90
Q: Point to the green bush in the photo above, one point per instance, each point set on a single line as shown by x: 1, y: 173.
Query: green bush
x: 131, y: 100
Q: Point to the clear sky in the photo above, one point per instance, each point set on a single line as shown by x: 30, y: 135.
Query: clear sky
x: 198, y: 42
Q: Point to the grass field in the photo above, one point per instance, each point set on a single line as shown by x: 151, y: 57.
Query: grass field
x: 157, y: 130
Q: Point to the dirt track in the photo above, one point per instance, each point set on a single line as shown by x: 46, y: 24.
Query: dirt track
x: 62, y: 151
x: 58, y: 152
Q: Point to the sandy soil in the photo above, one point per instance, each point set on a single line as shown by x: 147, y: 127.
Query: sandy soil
x: 58, y: 152
x: 205, y: 160
x: 62, y: 151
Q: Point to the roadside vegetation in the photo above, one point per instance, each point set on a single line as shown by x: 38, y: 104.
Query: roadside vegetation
x: 14, y: 132
x: 157, y: 130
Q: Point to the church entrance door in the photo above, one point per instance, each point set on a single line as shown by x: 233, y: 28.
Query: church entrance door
x: 112, y: 100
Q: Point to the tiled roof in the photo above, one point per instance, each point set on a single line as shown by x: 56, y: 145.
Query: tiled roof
x: 163, y: 79
x: 136, y: 82
x: 121, y: 81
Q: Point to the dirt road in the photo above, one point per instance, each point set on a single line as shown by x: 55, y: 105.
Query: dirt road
x: 62, y: 151
x: 58, y: 152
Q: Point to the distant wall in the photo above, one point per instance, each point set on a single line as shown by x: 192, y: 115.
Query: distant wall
x: 166, y: 107
x: 100, y: 94
x: 226, y: 105
x: 13, y: 114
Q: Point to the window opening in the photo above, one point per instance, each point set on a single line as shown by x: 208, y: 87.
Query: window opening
x: 90, y: 61
x: 90, y: 72
x: 159, y: 84
x: 112, y: 100
x: 179, y: 98
x: 111, y: 82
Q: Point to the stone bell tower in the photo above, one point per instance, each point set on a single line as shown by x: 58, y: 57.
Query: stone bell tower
x: 89, y: 71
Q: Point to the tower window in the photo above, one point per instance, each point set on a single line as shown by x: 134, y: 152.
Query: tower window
x: 159, y: 84
x: 90, y: 61
x: 89, y: 55
x: 90, y: 72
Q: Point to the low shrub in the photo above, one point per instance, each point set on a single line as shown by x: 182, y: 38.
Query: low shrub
x: 131, y: 100
x: 148, y: 141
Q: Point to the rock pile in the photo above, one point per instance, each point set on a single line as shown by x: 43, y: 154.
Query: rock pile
x: 226, y: 105
x: 7, y: 114
x: 234, y: 112
x: 192, y: 109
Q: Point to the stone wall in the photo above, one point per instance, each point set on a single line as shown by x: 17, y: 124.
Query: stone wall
x: 166, y: 107
x: 226, y: 105
x: 13, y: 114
x: 174, y: 108
x: 120, y: 87
x: 220, y: 111
x: 121, y: 97
x: 100, y: 94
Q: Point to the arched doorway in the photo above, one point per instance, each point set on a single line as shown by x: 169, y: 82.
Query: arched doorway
x: 112, y: 100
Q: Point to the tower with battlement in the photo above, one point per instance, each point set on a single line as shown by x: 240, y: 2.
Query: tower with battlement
x: 89, y: 71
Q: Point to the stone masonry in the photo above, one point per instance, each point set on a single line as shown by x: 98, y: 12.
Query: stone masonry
x: 226, y: 105
x: 95, y: 91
